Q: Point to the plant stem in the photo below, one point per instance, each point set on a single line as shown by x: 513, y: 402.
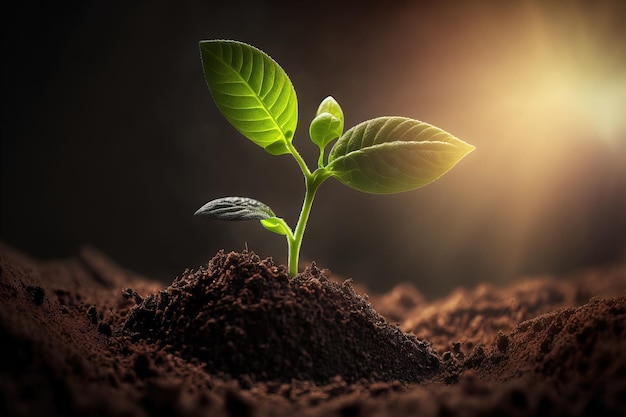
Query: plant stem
x: 312, y: 182
x: 294, y: 250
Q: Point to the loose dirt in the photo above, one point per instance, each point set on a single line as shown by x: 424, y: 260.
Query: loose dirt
x: 237, y: 337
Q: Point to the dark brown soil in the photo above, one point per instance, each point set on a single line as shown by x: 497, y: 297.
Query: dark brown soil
x: 312, y: 329
x: 236, y: 337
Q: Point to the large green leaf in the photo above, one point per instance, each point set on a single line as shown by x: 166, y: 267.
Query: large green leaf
x: 394, y: 154
x: 252, y: 91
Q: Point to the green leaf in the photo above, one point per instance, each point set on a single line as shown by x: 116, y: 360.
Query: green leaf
x: 327, y: 124
x: 324, y: 129
x: 235, y: 208
x: 252, y: 91
x: 330, y: 105
x: 276, y: 225
x: 394, y: 154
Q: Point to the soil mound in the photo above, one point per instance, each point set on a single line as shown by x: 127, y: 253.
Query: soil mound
x: 240, y: 307
x: 536, y: 347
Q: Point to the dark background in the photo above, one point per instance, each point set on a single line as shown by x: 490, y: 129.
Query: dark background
x: 110, y: 137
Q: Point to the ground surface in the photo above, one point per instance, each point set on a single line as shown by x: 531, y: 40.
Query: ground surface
x: 83, y: 336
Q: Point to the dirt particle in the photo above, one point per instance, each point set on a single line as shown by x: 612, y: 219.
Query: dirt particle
x: 502, y: 342
x: 105, y: 328
x: 92, y: 314
x: 476, y: 358
x: 314, y: 270
x: 452, y: 378
x: 36, y: 293
x: 129, y: 293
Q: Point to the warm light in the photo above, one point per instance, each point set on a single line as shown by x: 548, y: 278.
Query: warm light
x: 580, y: 74
x: 541, y: 91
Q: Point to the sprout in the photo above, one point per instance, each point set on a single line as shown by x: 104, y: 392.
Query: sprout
x: 384, y: 155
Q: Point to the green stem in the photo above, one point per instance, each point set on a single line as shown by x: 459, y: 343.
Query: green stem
x: 303, y: 166
x: 312, y: 182
x: 320, y: 159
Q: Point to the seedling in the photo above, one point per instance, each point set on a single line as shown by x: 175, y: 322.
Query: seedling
x: 384, y: 155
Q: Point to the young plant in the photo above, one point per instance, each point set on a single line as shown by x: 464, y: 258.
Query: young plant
x: 382, y: 156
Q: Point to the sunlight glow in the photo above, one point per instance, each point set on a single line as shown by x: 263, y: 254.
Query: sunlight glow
x: 541, y: 91
x: 581, y: 70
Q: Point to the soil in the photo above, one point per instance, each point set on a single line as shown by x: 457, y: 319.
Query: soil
x: 236, y: 337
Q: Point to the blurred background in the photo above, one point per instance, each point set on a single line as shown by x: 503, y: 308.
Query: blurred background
x: 110, y: 137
